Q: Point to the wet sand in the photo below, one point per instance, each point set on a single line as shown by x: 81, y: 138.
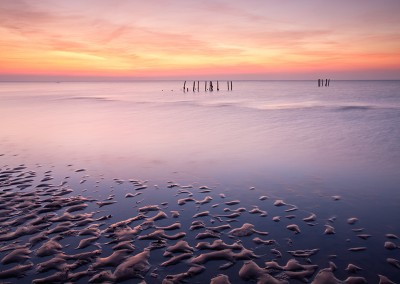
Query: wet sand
x: 54, y: 233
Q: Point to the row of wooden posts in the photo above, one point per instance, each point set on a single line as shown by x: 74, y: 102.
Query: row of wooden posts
x: 321, y: 82
x: 208, y: 86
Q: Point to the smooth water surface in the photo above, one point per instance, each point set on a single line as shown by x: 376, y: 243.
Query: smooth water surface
x: 292, y: 127
x: 290, y: 140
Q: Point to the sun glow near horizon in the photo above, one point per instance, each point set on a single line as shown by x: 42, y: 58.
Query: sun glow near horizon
x: 178, y: 39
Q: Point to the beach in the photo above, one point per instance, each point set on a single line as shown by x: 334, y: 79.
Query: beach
x: 270, y: 182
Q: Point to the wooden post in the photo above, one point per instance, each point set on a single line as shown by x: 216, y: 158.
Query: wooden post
x: 211, y: 86
x: 198, y: 86
x: 217, y: 86
x: 194, y: 86
x: 205, y: 86
x: 184, y: 88
x: 319, y: 82
x: 231, y: 85
x: 329, y: 80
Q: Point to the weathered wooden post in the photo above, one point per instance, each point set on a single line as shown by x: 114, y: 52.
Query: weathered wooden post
x: 211, y: 86
x: 231, y: 85
x: 198, y: 86
x: 184, y: 88
x: 319, y: 82
x: 205, y: 86
x: 227, y: 82
x: 217, y: 86
x: 329, y: 80
x: 194, y: 86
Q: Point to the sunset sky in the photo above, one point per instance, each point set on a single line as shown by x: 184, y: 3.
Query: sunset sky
x: 184, y: 39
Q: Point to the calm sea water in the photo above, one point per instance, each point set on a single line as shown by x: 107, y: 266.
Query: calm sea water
x: 290, y: 140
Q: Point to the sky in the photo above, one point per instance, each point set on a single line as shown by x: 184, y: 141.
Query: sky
x: 188, y: 39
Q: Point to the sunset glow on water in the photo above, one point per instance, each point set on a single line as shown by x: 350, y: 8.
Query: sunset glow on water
x: 329, y: 151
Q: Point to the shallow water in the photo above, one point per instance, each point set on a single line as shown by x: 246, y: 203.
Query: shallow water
x: 289, y: 140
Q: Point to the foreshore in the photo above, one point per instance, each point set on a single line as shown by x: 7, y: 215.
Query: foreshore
x: 54, y: 233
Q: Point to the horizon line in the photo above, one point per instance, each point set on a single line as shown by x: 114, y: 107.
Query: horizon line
x: 176, y: 80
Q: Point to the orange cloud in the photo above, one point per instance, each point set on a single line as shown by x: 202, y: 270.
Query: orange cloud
x: 180, y: 38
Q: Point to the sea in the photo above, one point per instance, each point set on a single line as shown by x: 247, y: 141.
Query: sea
x: 332, y: 151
